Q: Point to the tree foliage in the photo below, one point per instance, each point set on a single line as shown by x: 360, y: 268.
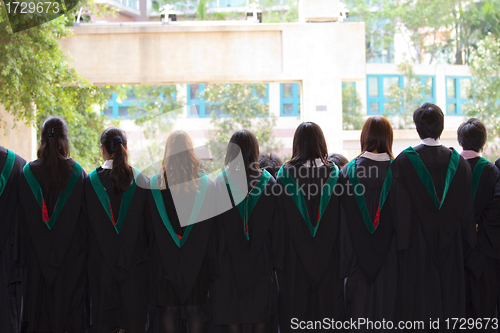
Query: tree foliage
x: 484, y: 92
x: 36, y: 82
x: 404, y: 101
x: 379, y: 17
x: 154, y: 110
x: 235, y: 107
x: 446, y: 31
x: 352, y: 118
x: 274, y: 13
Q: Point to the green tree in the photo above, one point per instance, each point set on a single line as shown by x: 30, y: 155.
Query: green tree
x: 352, y: 118
x: 403, y: 101
x: 235, y: 107
x: 36, y: 82
x: 154, y: 111
x: 484, y: 92
x: 202, y: 9
x: 380, y: 18
x: 273, y: 12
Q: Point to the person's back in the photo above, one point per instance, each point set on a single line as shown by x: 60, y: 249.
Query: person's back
x: 431, y: 199
x: 119, y: 237
x: 53, y: 236
x: 482, y: 264
x: 305, y: 234
x: 368, y: 256
x: 183, y: 258
x: 11, y: 166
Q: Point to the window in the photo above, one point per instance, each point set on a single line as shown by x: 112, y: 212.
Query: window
x: 195, y: 102
x: 456, y: 94
x: 290, y: 99
x: 198, y: 107
x: 378, y: 90
x: 116, y: 108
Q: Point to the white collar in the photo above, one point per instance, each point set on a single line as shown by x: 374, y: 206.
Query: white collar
x: 468, y: 154
x: 108, y: 164
x: 430, y: 142
x: 376, y: 157
x: 318, y: 162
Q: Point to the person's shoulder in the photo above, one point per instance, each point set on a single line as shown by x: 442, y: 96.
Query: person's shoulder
x: 492, y: 170
x: 497, y: 163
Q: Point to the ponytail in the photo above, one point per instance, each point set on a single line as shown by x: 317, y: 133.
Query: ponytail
x: 54, y: 152
x: 114, y: 141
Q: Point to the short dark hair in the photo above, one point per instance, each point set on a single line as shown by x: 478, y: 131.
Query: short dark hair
x: 429, y: 120
x: 472, y: 134
x: 338, y: 159
x: 271, y: 163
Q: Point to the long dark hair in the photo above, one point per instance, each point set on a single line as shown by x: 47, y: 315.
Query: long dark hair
x: 308, y: 144
x: 246, y: 142
x: 180, y: 163
x: 377, y: 135
x: 114, y: 141
x: 54, y: 152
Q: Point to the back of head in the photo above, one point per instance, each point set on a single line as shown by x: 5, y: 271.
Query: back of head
x: 472, y: 135
x: 114, y: 141
x: 429, y: 120
x: 377, y: 136
x: 271, y: 163
x: 308, y: 144
x: 338, y: 159
x: 180, y: 163
x: 54, y: 152
x: 245, y: 142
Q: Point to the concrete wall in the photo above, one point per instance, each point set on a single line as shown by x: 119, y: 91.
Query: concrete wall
x: 16, y: 136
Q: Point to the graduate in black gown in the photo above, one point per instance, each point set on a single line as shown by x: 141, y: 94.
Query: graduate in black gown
x: 338, y: 159
x: 431, y: 202
x: 305, y: 234
x: 482, y: 274
x: 244, y: 291
x: 119, y: 237
x: 368, y: 257
x: 54, y: 236
x: 271, y: 163
x: 183, y: 259
x: 11, y: 275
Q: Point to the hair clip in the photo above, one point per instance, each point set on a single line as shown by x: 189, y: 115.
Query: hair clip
x: 117, y: 140
x: 50, y: 133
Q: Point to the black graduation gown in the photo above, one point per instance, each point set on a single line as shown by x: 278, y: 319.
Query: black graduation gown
x: 483, y: 264
x: 430, y: 241
x: 310, y: 287
x: 244, y: 291
x: 181, y: 275
x: 118, y: 271
x: 11, y: 275
x: 368, y: 260
x: 56, y: 259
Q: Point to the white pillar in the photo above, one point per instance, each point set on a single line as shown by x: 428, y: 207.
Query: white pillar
x: 321, y: 103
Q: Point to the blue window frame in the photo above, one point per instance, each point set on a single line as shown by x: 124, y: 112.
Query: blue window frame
x: 120, y: 109
x: 198, y: 107
x: 377, y: 90
x: 290, y: 99
x: 117, y: 109
x: 456, y: 94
